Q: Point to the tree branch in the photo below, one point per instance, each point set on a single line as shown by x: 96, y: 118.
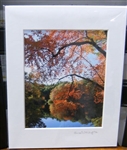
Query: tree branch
x: 84, y: 79
x: 82, y: 43
x: 70, y: 86
x: 91, y: 66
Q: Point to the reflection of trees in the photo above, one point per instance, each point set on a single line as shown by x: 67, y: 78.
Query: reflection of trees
x: 76, y: 102
x: 35, y: 107
x: 33, y: 114
x: 67, y: 101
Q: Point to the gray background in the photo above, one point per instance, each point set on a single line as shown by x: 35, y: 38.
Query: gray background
x: 62, y: 2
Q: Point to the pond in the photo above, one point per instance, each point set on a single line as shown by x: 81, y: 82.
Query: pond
x: 54, y: 123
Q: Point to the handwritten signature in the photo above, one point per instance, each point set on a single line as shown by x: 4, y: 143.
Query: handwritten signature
x: 85, y: 132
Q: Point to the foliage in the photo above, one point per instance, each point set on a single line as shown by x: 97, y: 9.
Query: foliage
x: 53, y: 54
x: 75, y: 101
x: 35, y: 107
x: 45, y: 92
x: 97, y: 122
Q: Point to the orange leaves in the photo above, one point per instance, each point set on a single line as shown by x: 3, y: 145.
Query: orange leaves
x: 78, y: 91
x: 96, y: 34
x: 98, y: 97
x: 87, y: 48
x: 99, y: 76
x: 76, y: 94
x: 68, y: 91
x: 57, y: 53
x: 62, y: 109
x: 75, y: 98
x: 59, y: 92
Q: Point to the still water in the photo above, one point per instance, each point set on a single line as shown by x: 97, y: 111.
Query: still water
x: 53, y: 123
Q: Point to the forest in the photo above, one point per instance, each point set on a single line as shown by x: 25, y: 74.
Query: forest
x: 64, y: 76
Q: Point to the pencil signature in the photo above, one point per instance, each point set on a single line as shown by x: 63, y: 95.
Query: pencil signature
x: 85, y: 132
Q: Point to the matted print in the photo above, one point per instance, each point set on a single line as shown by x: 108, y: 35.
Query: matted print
x: 64, y: 78
x: 64, y: 75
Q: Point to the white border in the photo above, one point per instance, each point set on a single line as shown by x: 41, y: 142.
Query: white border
x: 19, y: 18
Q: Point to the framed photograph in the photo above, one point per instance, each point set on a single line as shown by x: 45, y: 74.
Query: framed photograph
x: 64, y: 75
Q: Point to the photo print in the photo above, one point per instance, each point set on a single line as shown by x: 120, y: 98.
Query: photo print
x: 64, y: 78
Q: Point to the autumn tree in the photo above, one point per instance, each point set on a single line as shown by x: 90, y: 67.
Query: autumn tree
x: 63, y: 110
x: 34, y: 104
x: 75, y: 101
x: 63, y: 53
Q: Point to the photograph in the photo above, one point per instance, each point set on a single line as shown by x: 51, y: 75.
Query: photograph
x: 64, y: 78
x: 64, y: 75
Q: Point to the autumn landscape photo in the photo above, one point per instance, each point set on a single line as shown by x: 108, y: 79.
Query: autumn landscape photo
x: 64, y: 77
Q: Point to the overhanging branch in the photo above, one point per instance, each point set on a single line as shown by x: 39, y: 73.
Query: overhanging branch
x: 84, y: 79
x: 82, y: 43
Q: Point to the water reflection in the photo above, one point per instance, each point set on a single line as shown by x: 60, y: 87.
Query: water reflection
x: 52, y: 123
